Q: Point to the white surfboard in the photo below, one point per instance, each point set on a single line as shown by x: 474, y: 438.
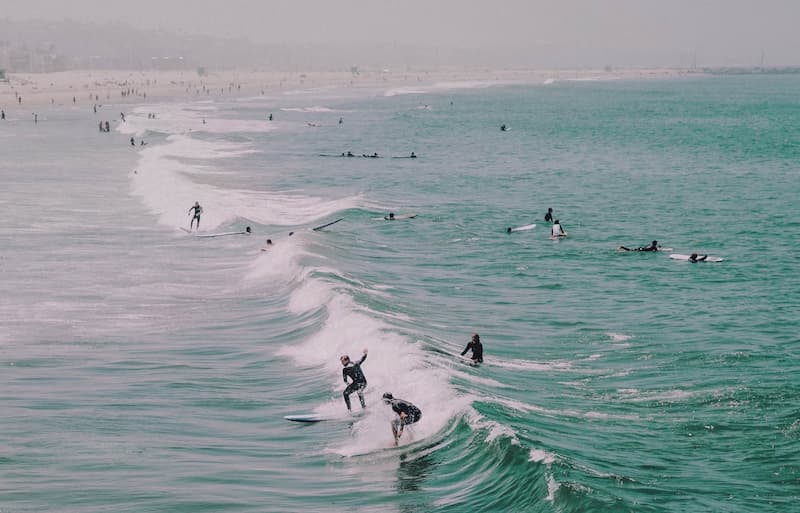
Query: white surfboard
x: 315, y: 417
x: 206, y: 235
x: 396, y: 218
x: 521, y: 228
x: 678, y: 256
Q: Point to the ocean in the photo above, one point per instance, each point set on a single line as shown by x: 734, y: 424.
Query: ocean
x: 145, y: 369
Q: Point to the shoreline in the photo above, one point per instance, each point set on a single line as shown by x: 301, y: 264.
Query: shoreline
x: 89, y: 87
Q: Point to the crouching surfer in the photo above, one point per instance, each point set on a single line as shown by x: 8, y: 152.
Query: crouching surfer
x: 406, y: 412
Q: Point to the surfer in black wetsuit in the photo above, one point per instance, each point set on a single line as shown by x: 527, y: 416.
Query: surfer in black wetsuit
x: 694, y: 258
x: 359, y: 382
x: 407, y: 414
x: 549, y: 215
x: 390, y: 217
x: 197, y: 211
x: 476, y: 347
x: 653, y: 246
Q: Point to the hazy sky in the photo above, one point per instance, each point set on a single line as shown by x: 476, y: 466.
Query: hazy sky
x: 595, y: 31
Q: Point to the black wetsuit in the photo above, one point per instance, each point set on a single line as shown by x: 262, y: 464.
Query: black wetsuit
x: 548, y: 217
x: 477, y: 351
x: 412, y: 413
x: 359, y: 382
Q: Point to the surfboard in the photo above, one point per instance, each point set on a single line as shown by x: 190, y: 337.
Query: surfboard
x: 327, y: 224
x: 305, y: 418
x: 207, y: 235
x: 398, y: 218
x: 678, y: 256
x: 521, y: 228
x: 315, y: 417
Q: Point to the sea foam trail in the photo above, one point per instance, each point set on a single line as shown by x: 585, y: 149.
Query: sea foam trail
x: 167, y: 188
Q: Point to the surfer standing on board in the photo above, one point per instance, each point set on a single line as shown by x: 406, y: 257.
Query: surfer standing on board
x: 476, y: 347
x: 406, y: 412
x: 197, y: 211
x: 359, y: 381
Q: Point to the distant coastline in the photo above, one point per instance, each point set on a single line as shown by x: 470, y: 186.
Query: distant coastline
x: 82, y: 87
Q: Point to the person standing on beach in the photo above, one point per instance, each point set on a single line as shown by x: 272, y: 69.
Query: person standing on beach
x: 133, y: 143
x: 197, y: 211
x: 2, y: 114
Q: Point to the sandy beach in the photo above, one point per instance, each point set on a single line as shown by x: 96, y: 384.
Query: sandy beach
x: 88, y: 87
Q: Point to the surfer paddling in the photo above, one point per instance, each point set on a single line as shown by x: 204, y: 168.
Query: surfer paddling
x: 694, y: 258
x: 406, y: 412
x: 359, y: 381
x: 653, y: 246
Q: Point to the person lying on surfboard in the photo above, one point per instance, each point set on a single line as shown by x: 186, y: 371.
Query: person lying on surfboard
x: 406, y: 412
x: 653, y: 246
x: 476, y: 347
x: 359, y: 381
x: 694, y: 258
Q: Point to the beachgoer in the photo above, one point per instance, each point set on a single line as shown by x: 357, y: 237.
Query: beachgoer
x: 406, y: 412
x: 197, y: 211
x: 2, y: 114
x: 557, y: 230
x: 122, y: 115
x: 476, y: 347
x: 359, y: 382
x: 133, y: 143
x: 549, y: 215
x: 694, y: 258
x: 341, y: 121
x: 653, y: 246
x: 108, y: 127
x: 270, y: 117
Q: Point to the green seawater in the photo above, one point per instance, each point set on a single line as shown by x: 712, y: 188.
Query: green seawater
x: 144, y: 370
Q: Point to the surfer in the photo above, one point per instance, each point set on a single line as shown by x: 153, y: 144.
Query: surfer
x: 694, y: 258
x: 557, y: 231
x: 503, y: 128
x: 390, y: 217
x: 269, y: 245
x: 476, y: 347
x: 359, y: 382
x: 549, y: 215
x: 406, y: 412
x: 653, y: 246
x: 413, y: 155
x: 197, y: 211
